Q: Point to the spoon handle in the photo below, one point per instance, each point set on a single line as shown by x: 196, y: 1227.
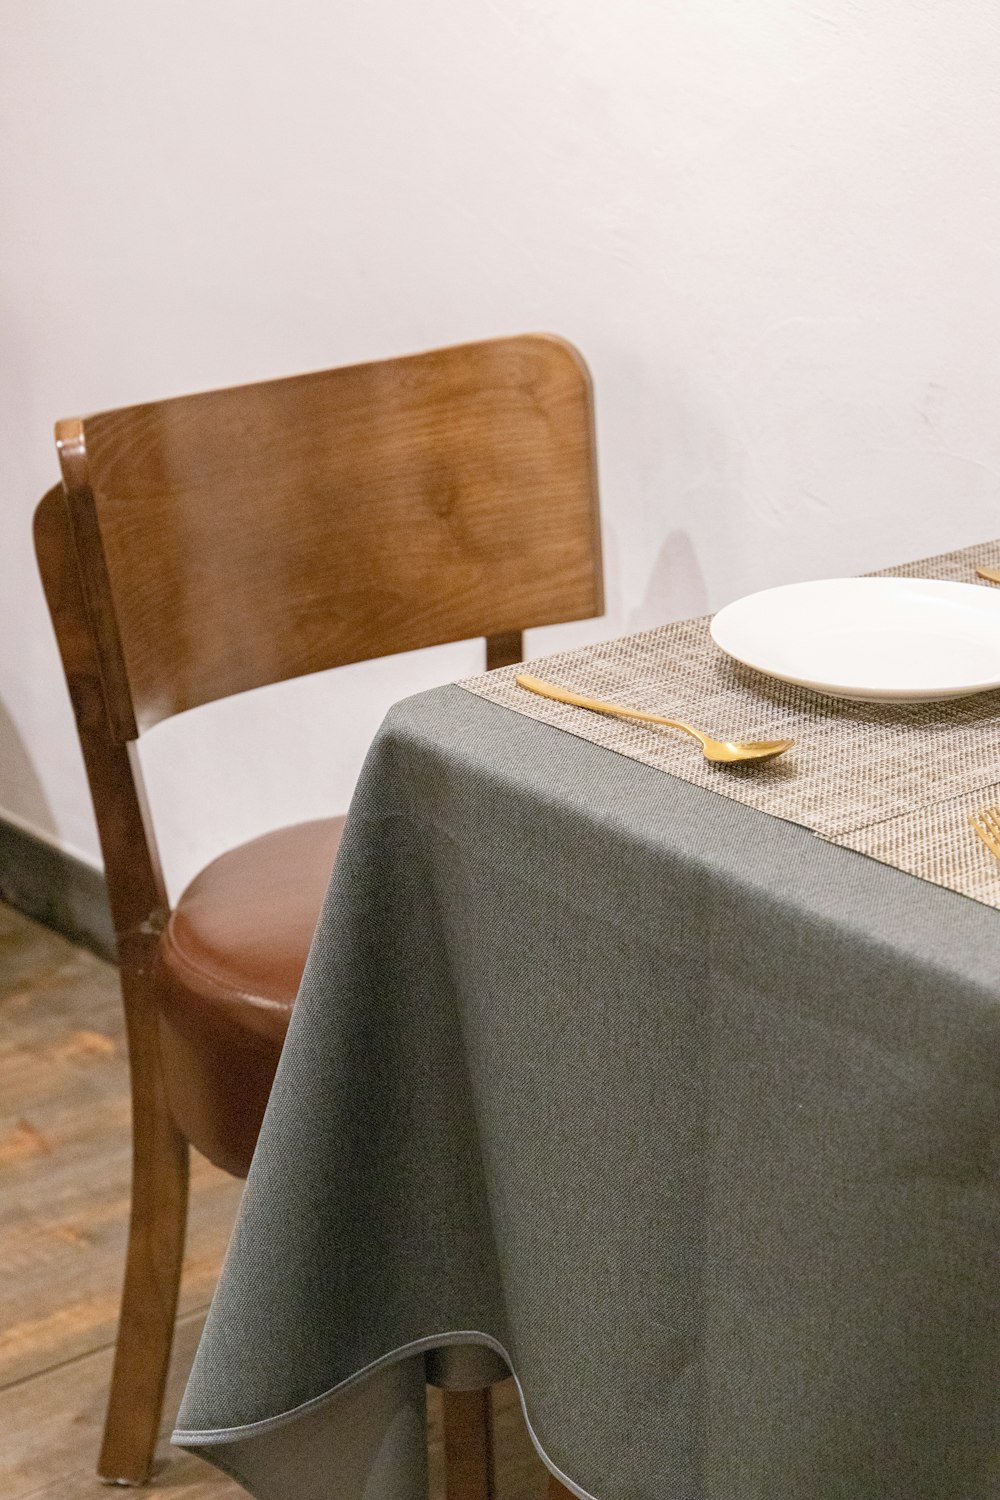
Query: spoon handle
x: 562, y: 695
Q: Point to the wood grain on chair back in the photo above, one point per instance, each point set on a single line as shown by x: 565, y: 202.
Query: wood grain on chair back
x: 237, y: 538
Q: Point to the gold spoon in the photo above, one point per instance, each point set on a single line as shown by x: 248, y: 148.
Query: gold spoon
x: 992, y: 575
x: 725, y: 751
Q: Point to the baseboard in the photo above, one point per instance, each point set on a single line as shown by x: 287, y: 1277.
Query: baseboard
x: 55, y: 888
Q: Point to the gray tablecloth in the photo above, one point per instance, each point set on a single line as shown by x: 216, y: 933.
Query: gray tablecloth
x: 691, y: 1114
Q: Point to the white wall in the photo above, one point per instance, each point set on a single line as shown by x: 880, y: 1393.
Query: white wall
x: 771, y: 226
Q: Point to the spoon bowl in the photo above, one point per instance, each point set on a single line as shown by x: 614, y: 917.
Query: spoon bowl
x: 728, y: 751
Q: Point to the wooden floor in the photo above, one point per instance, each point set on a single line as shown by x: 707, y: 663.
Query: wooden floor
x: 64, y: 1174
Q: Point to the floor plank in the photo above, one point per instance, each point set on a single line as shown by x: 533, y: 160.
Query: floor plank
x: 64, y: 1180
x: 65, y: 1157
x: 51, y: 1430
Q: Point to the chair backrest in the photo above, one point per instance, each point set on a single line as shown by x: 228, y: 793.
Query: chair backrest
x: 209, y: 544
x: 240, y: 537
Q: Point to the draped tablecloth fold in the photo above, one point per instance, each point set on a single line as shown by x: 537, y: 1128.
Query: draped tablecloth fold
x: 690, y: 1113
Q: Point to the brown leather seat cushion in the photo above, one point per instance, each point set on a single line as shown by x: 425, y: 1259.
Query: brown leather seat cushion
x: 229, y: 966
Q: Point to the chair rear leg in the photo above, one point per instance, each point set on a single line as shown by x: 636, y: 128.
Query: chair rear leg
x: 468, y: 1445
x: 152, y: 1270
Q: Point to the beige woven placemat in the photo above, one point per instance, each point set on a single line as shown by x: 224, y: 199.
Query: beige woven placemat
x: 894, y: 781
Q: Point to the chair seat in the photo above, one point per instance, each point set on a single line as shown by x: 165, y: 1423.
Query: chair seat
x: 229, y: 965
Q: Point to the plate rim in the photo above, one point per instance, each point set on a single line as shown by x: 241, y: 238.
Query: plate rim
x: 854, y: 693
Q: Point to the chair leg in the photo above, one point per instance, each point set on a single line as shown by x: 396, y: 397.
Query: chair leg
x: 468, y: 1445
x: 152, y: 1270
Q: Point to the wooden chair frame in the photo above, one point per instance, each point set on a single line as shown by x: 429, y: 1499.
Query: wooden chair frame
x: 119, y: 685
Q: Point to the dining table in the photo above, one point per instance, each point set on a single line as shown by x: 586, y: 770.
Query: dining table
x: 672, y: 1089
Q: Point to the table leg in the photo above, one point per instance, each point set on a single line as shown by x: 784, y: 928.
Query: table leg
x: 468, y: 1445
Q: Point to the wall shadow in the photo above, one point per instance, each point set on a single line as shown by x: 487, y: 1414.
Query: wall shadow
x: 36, y: 876
x: 675, y: 588
x: 21, y: 791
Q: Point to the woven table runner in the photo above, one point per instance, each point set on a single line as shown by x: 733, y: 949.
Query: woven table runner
x: 895, y: 781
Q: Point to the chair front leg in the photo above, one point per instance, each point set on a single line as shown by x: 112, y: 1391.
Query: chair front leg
x: 468, y: 1445
x: 155, y: 1254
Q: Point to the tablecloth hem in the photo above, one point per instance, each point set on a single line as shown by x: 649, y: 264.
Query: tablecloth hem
x: 202, y: 1438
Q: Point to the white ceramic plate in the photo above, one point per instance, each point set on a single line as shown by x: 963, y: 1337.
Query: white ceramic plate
x: 870, y: 638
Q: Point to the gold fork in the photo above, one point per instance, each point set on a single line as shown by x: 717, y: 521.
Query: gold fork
x: 986, y: 823
x: 992, y: 575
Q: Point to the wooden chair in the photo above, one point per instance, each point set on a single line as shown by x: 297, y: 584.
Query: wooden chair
x: 209, y: 544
